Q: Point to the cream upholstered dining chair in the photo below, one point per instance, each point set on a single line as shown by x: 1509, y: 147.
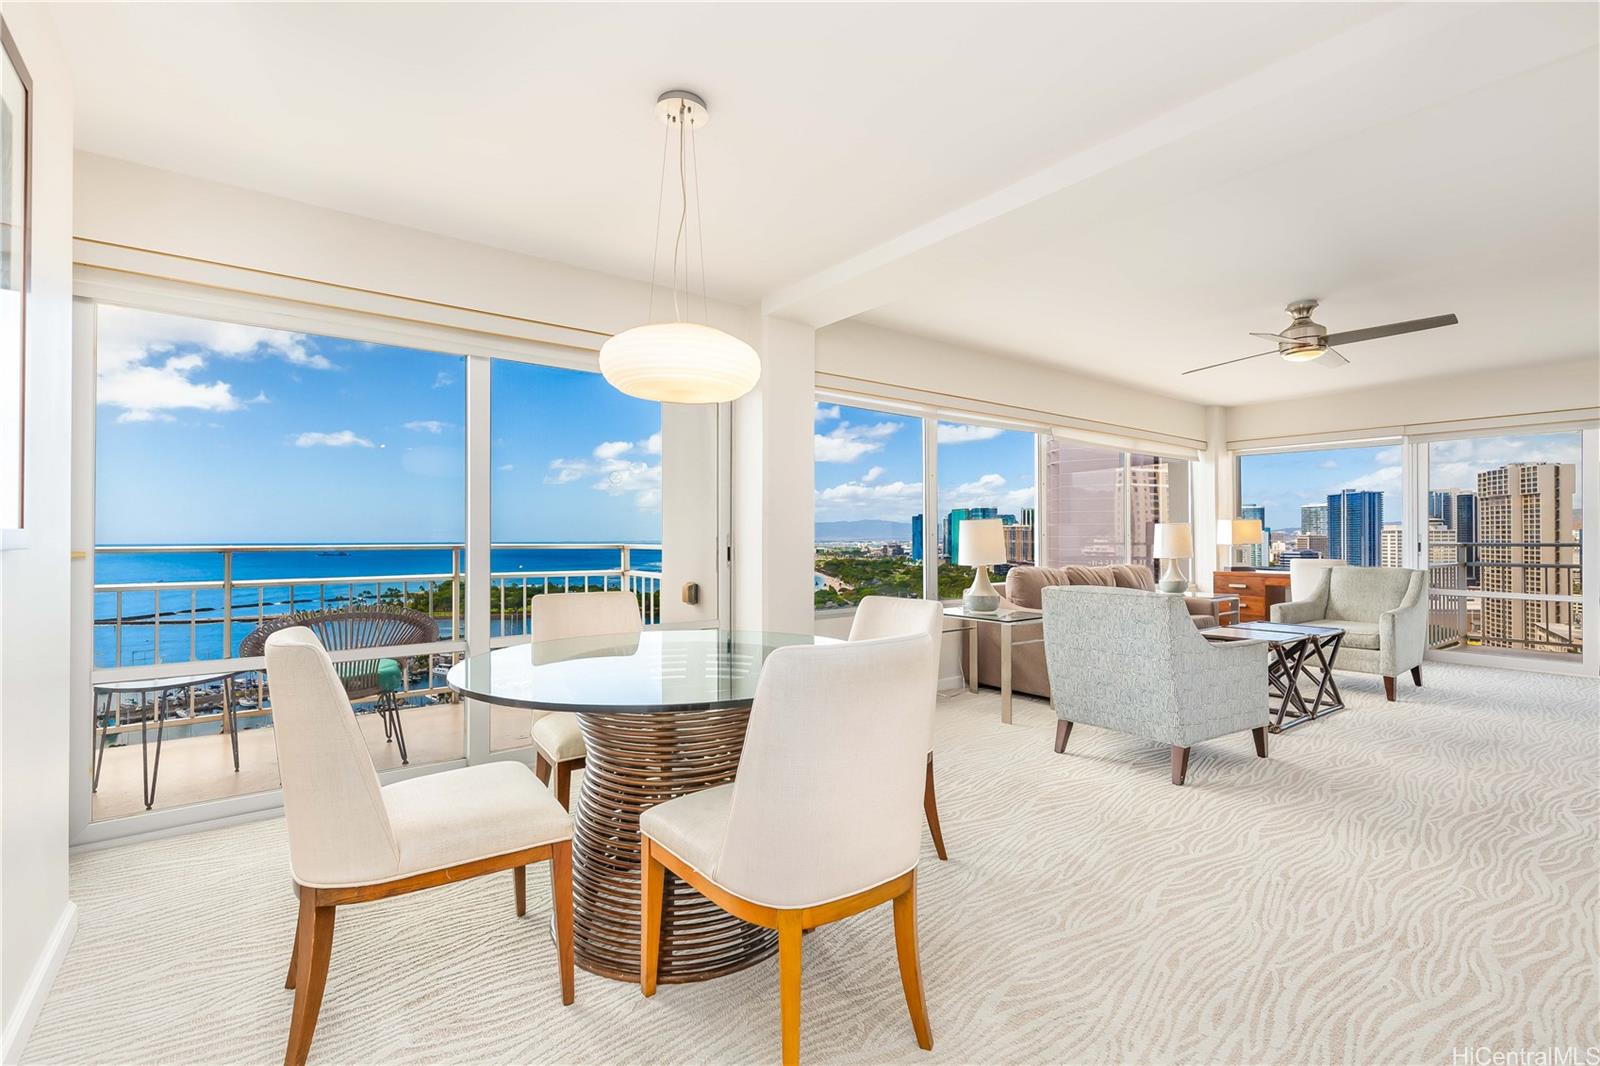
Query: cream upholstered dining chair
x: 822, y: 819
x: 560, y: 616
x: 352, y: 840
x: 893, y: 616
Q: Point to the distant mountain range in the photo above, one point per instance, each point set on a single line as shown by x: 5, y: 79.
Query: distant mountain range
x: 863, y: 529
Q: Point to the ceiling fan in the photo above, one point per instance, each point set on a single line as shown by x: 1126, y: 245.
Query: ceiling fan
x: 1305, y: 341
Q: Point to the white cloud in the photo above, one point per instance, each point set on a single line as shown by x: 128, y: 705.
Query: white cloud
x: 343, y: 438
x: 615, y: 474
x: 428, y: 425
x: 855, y: 491
x: 847, y: 442
x: 506, y: 466
x: 443, y: 380
x: 1329, y: 464
x: 826, y: 413
x: 651, y: 445
x: 612, y: 449
x: 564, y: 471
x: 953, y: 433
x: 990, y: 490
x: 872, y: 475
x: 894, y: 501
x: 1384, y: 479
x: 148, y: 362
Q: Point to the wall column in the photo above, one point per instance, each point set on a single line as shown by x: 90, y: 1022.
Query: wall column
x: 1214, y: 491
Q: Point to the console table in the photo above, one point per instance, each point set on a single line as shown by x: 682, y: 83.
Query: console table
x: 1257, y: 590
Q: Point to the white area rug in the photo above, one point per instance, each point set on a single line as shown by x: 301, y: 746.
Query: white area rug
x: 1394, y: 883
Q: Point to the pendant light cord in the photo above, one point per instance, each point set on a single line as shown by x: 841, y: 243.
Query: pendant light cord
x: 683, y: 219
x: 700, y: 229
x: 655, y: 243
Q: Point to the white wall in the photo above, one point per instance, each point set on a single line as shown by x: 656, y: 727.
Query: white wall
x: 36, y: 918
x: 874, y: 354
x: 1551, y: 391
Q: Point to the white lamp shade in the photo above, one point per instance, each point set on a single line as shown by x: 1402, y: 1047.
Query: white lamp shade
x: 983, y: 542
x: 680, y: 362
x: 1173, y: 541
x: 1238, y: 531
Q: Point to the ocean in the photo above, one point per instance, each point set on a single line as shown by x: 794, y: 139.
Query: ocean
x: 316, y: 580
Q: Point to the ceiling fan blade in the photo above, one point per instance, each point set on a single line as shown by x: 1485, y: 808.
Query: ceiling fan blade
x: 1271, y: 337
x: 1392, y: 329
x: 1331, y: 359
x: 1228, y: 362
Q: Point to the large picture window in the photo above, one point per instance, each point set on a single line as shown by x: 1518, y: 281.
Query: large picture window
x: 868, y: 504
x: 984, y: 473
x: 1333, y: 503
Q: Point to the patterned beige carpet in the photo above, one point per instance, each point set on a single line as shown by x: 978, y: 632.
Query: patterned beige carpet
x: 1396, y: 882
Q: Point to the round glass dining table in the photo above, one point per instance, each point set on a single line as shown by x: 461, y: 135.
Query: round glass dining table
x: 663, y: 714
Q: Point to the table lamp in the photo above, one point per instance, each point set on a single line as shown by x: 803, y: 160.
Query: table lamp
x: 1232, y: 531
x: 1173, y: 542
x: 983, y: 542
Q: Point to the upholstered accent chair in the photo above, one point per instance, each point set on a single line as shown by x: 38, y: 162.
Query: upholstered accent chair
x: 1305, y: 573
x: 891, y: 616
x: 560, y: 616
x: 1133, y: 661
x: 823, y: 819
x: 1383, y: 611
x: 352, y: 840
x: 1024, y: 587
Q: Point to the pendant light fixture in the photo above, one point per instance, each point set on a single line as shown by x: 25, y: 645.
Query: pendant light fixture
x: 681, y: 361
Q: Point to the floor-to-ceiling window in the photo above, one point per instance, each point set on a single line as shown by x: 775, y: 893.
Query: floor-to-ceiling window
x: 869, y: 511
x: 985, y: 472
x: 243, y: 474
x: 1504, y: 543
x: 1327, y: 503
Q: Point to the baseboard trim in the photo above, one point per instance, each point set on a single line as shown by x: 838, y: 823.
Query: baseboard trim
x: 37, y: 989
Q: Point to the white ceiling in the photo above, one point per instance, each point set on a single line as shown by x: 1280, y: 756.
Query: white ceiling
x: 1126, y: 190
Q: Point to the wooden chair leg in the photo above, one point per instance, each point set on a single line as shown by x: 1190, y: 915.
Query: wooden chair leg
x: 1259, y: 735
x: 653, y: 883
x: 1388, y: 689
x: 541, y: 769
x: 561, y: 897
x: 564, y: 784
x: 1416, y: 676
x: 519, y: 881
x: 313, y: 951
x: 789, y: 948
x: 294, y: 952
x: 1063, y: 731
x: 930, y: 808
x: 1180, y: 764
x: 905, y: 944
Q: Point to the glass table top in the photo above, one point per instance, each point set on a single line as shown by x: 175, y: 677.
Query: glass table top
x: 657, y: 670
x: 1006, y: 615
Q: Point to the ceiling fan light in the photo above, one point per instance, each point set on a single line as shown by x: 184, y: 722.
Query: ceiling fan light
x: 680, y: 362
x: 1303, y: 354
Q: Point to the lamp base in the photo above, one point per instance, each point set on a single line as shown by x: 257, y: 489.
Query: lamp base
x: 981, y: 598
x: 1172, y: 579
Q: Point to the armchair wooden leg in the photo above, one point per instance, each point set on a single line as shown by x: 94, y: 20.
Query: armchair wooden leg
x: 312, y: 952
x: 519, y: 881
x: 541, y: 769
x: 561, y: 898
x: 1416, y: 676
x: 1388, y: 689
x: 1180, y: 764
x: 1259, y: 735
x: 1063, y: 731
x: 789, y: 948
x: 905, y: 943
x: 930, y: 808
x: 564, y: 784
x: 653, y: 877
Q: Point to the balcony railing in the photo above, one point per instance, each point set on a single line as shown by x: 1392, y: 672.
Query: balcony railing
x: 1463, y: 613
x: 146, y: 624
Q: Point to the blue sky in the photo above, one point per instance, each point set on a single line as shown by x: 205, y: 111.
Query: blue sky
x: 208, y: 432
x: 869, y: 465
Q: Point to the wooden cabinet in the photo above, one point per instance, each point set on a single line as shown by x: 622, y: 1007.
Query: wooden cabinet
x: 1257, y: 590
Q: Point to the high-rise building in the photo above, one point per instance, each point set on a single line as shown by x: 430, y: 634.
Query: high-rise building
x: 1314, y: 520
x: 1083, y: 521
x: 1019, y: 543
x: 952, y: 527
x: 1355, y: 521
x: 1528, y: 544
x: 916, y: 538
x: 1391, y: 546
x: 1466, y: 530
x: 1255, y: 554
x: 1316, y: 543
x: 1027, y: 516
x: 1442, y: 506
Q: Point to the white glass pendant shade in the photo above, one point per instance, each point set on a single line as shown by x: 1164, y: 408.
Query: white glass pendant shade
x: 680, y: 362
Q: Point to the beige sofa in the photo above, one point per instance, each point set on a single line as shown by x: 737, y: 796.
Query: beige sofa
x: 1024, y: 588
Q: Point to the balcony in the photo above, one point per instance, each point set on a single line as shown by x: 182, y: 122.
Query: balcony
x: 1519, y: 598
x: 161, y: 629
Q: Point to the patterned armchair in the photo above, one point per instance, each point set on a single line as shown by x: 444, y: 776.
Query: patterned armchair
x: 1133, y: 661
x: 1383, y: 612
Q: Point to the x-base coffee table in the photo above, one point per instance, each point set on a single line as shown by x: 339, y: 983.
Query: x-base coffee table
x: 1301, y: 658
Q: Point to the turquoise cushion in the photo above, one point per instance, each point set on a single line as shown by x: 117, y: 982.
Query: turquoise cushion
x: 389, y: 676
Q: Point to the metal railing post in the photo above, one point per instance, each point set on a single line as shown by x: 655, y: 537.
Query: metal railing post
x: 455, y: 594
x: 227, y: 604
